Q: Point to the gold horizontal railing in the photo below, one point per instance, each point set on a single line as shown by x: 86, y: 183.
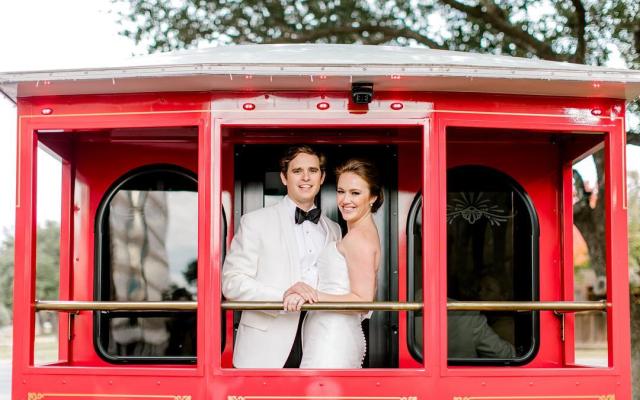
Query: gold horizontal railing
x: 521, y: 306
x: 326, y: 306
x: 73, y: 306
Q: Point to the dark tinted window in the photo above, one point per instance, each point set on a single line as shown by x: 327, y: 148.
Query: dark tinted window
x: 147, y: 251
x: 492, y: 242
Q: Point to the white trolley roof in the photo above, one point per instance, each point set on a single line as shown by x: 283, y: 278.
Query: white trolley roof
x: 324, y: 67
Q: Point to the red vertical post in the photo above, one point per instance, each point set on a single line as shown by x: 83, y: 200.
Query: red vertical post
x: 209, y: 165
x: 567, y: 264
x: 66, y: 258
x: 435, y: 276
x: 618, y: 334
x: 25, y: 238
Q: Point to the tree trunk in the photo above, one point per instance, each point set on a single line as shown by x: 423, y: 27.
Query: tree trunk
x: 635, y: 345
x: 591, y: 223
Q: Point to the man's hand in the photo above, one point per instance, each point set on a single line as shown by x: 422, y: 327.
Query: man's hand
x: 309, y: 294
x: 293, y: 302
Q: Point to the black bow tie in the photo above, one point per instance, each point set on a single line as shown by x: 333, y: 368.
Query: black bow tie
x: 311, y: 215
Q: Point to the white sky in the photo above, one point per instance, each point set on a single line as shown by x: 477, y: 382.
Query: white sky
x: 40, y: 34
x: 44, y: 33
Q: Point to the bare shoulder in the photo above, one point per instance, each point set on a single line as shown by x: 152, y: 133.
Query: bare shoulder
x: 360, y: 244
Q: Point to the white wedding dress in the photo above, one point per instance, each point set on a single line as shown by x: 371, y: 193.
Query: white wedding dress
x: 332, y: 339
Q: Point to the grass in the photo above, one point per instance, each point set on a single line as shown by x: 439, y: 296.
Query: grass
x: 46, y: 347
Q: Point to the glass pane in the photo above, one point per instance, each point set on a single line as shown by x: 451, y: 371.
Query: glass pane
x: 152, y: 257
x: 417, y: 332
x: 49, y: 197
x: 589, y: 255
x: 171, y: 336
x: 489, y: 258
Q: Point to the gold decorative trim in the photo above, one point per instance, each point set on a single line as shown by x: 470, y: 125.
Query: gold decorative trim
x: 231, y: 397
x: 40, y: 396
x: 576, y: 397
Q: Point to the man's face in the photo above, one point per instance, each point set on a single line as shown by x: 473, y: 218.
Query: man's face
x: 303, y: 179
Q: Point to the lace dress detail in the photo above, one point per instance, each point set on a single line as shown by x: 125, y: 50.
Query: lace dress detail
x: 333, y: 339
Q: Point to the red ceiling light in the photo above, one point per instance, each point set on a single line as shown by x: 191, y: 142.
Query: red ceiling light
x: 323, y: 105
x: 396, y: 106
x: 46, y: 111
x: 248, y: 106
x: 395, y: 77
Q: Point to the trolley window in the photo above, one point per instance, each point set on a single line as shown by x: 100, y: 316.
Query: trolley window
x: 492, y: 255
x: 146, y: 231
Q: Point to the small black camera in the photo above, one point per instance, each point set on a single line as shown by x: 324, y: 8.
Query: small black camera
x: 362, y: 92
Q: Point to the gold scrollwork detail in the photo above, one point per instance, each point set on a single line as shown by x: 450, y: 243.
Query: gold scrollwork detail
x: 598, y: 397
x: 235, y: 397
x: 178, y: 397
x: 35, y: 396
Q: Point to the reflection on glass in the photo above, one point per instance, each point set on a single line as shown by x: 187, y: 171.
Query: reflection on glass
x: 152, y: 253
x: 490, y: 244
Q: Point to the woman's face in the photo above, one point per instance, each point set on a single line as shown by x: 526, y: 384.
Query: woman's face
x: 353, y: 197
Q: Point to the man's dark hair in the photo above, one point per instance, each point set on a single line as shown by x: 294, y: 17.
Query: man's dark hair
x: 293, y: 151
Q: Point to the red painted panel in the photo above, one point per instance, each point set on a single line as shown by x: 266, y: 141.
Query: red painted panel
x: 95, y: 162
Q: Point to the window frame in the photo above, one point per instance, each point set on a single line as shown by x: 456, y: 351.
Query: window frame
x: 101, y: 270
x: 499, y: 177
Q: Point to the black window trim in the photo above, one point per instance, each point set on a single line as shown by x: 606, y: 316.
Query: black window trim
x: 414, y: 349
x: 99, y: 240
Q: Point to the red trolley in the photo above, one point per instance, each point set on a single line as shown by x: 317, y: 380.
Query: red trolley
x: 161, y: 156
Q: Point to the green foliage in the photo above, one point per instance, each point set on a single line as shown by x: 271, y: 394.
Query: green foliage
x: 582, y: 31
x: 633, y: 195
x: 47, y: 265
x: 6, y: 272
x: 48, y: 261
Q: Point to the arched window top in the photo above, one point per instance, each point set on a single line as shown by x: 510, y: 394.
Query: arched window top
x: 492, y: 255
x: 156, y: 177
x: 146, y: 250
x: 472, y: 195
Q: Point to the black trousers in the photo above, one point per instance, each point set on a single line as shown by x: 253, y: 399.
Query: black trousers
x: 295, y: 356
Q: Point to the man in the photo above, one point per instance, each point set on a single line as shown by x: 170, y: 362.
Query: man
x: 273, y: 254
x: 470, y: 336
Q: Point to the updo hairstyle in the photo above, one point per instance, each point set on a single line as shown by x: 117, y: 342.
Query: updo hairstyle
x: 369, y: 173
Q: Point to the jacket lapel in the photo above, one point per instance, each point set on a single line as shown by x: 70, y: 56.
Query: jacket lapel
x: 290, y: 244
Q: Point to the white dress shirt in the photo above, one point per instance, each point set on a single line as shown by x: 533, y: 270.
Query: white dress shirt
x: 310, y: 239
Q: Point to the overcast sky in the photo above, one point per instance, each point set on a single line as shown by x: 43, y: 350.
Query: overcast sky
x: 41, y: 34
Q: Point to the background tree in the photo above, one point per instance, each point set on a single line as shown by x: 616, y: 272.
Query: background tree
x: 47, y: 265
x: 634, y: 263
x: 579, y: 31
x: 6, y: 279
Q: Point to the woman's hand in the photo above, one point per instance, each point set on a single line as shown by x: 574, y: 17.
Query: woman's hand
x: 293, y: 302
x: 308, y: 293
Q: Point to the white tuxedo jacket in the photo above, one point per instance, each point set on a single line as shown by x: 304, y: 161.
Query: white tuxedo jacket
x: 262, y: 263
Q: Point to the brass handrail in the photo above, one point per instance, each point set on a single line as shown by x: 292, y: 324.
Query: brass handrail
x: 72, y: 306
x: 559, y: 306
x: 327, y: 306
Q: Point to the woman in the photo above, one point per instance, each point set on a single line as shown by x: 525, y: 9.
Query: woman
x: 347, y: 271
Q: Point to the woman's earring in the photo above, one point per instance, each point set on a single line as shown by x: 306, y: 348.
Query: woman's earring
x: 370, y: 204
